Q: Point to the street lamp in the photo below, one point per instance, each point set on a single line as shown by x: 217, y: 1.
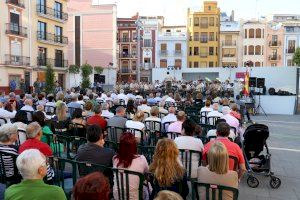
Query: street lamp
x: 109, y: 67
x: 139, y: 27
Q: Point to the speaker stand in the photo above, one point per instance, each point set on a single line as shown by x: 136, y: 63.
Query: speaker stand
x: 257, y: 110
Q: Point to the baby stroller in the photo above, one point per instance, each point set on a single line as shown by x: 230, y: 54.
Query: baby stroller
x: 258, y: 161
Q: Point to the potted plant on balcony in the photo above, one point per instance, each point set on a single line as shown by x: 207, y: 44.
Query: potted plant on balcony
x: 50, y: 82
x: 86, y: 71
x: 296, y: 57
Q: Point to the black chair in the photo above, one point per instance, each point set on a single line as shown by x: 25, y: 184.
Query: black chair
x: 78, y: 130
x: 233, y: 129
x: 146, y: 114
x: 166, y: 126
x: 18, y: 142
x: 194, y: 118
x: 8, y: 161
x: 122, y: 102
x: 161, y: 115
x: 203, y: 117
x: 186, y: 156
x: 212, y: 120
x: 139, y: 134
x: 2, y: 121
x: 206, y: 128
x: 114, y: 133
x: 50, y: 110
x: 154, y: 126
x: 213, y: 192
x: 147, y: 151
x: 29, y: 116
x: 172, y: 135
x: 71, y: 110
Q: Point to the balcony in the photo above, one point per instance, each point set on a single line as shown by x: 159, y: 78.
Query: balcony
x: 274, y: 43
x: 124, y: 70
x: 148, y: 66
x: 52, y: 62
x: 18, y: 3
x: 147, y: 45
x: 17, y: 60
x: 274, y: 57
x: 203, y: 40
x: 51, y: 38
x: 163, y: 53
x: 229, y: 43
x: 15, y: 29
x: 127, y: 55
x: 125, y: 40
x: 202, y: 55
x: 51, y: 13
x: 290, y: 50
x: 178, y: 53
x: 228, y: 55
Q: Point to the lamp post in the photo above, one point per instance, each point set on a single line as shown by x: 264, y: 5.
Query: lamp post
x: 109, y: 67
x: 139, y: 28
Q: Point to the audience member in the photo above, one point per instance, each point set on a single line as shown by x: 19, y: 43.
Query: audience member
x: 97, y: 119
x: 177, y: 126
x: 168, y: 195
x: 118, y: 120
x: 21, y: 123
x: 105, y: 111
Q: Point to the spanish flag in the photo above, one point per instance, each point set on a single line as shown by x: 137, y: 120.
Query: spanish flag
x: 246, y: 83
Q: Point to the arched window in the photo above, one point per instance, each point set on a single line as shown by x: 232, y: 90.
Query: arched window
x: 251, y: 33
x: 246, y: 33
x: 258, y: 50
x: 257, y: 64
x: 258, y: 33
x: 251, y: 50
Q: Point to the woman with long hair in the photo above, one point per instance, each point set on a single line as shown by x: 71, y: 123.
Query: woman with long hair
x: 130, y: 109
x: 167, y: 169
x: 127, y: 158
x: 217, y: 171
x: 137, y: 123
x: 60, y: 120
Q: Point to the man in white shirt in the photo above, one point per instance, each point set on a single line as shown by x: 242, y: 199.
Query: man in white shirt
x: 105, y: 111
x: 130, y: 95
x: 171, y: 117
x: 144, y: 107
x: 231, y: 120
x: 214, y: 113
x: 122, y: 96
x: 207, y: 107
x: 170, y: 98
x: 6, y: 114
x: 28, y: 108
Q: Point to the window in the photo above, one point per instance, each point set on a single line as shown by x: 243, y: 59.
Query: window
x: 196, y: 21
x: 228, y: 40
x: 178, y: 63
x: 228, y: 53
x: 211, y: 21
x: 191, y: 51
x: 190, y: 65
x: 217, y: 51
x: 257, y: 64
x: 163, y: 63
x: 42, y: 29
x: 258, y: 33
x: 245, y: 50
x: 58, y: 34
x: 203, y: 64
x: 211, y: 51
x: 211, y: 64
x: 147, y: 43
x: 246, y: 33
x: 163, y: 47
x: 42, y: 6
x: 251, y: 50
x: 291, y: 47
x: 211, y: 36
x: 133, y: 65
x: 59, y: 58
x: 42, y: 56
x: 196, y: 51
x: 203, y: 52
x: 203, y: 37
x: 196, y: 36
x: 204, y: 22
x: 251, y: 33
x: 58, y: 10
x: 274, y: 40
x: 178, y: 47
x: 196, y: 64
x: 258, y: 50
x: 77, y: 41
x: 290, y: 62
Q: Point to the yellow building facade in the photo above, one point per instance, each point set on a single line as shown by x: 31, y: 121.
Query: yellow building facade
x: 203, y: 29
x: 49, y: 30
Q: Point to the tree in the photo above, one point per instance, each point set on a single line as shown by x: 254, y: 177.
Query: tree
x: 50, y: 84
x: 98, y: 70
x: 296, y: 57
x: 86, y: 71
x: 74, y: 69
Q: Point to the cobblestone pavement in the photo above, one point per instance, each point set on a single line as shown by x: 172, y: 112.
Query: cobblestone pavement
x: 284, y: 144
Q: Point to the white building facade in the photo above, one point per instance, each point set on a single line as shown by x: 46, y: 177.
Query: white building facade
x: 171, y: 48
x: 291, y: 41
x: 254, y: 42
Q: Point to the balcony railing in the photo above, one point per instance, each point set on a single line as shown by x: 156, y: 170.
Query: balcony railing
x: 203, y: 55
x: 127, y: 55
x: 229, y: 55
x: 228, y: 43
x: 52, y: 38
x: 147, y: 45
x: 53, y: 62
x: 125, y: 70
x: 274, y: 43
x: 203, y: 40
x: 177, y: 52
x: 125, y: 40
x: 15, y: 29
x: 147, y: 66
x: 163, y: 52
x: 18, y: 3
x: 17, y: 60
x: 51, y: 13
x: 274, y: 57
x: 290, y: 50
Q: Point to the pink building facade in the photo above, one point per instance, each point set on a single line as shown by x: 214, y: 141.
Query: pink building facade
x: 92, y: 30
x: 275, y: 42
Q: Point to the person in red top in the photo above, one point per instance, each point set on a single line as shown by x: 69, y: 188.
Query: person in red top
x: 223, y: 130
x: 34, y: 134
x: 97, y: 119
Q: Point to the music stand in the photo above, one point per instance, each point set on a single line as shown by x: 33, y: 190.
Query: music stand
x: 260, y: 86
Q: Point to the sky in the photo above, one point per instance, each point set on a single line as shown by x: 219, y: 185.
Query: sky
x: 175, y: 11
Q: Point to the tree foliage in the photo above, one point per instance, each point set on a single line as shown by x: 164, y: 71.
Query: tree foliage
x: 50, y: 79
x: 74, y: 69
x: 296, y: 58
x: 98, y: 69
x: 86, y: 71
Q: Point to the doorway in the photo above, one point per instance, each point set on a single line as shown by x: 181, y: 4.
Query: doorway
x: 61, y: 80
x: 27, y: 82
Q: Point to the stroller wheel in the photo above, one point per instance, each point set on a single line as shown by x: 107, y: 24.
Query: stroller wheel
x: 275, y: 182
x: 252, y: 182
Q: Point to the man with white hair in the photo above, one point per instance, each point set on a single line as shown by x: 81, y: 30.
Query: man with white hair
x: 33, y: 168
x: 6, y: 114
x: 171, y: 117
x: 28, y: 105
x: 232, y: 121
x: 215, y: 112
x: 105, y: 111
x: 122, y: 96
x: 34, y: 134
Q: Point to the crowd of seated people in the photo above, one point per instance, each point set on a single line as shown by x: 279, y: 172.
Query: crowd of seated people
x: 29, y: 130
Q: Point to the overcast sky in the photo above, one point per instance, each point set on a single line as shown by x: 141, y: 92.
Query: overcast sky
x: 175, y: 10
